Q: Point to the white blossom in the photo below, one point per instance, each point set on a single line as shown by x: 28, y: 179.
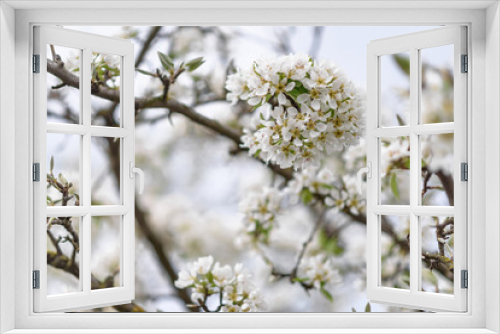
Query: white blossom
x: 233, y: 286
x: 260, y: 209
x: 315, y: 109
x: 392, y: 151
x: 318, y: 272
x: 337, y: 193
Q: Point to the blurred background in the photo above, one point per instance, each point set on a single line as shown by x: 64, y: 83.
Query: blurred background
x: 195, y: 181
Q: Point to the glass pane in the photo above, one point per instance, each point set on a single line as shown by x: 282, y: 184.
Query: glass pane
x: 395, y: 171
x: 395, y: 89
x: 63, y: 257
x: 437, y: 254
x: 105, y: 252
x: 105, y: 75
x: 63, y: 169
x: 63, y: 101
x: 437, y: 169
x: 105, y: 170
x: 436, y: 102
x: 395, y: 252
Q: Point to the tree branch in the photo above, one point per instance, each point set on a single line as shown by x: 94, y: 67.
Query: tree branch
x: 142, y: 222
x: 153, y: 32
x: 158, y: 102
x: 64, y: 263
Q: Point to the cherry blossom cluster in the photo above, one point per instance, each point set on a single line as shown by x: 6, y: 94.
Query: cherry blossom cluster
x: 317, y: 272
x: 306, y: 108
x: 260, y: 210
x: 337, y: 194
x: 233, y: 286
x: 394, y: 153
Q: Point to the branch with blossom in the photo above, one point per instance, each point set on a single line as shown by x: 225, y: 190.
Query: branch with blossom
x: 59, y: 259
x: 233, y: 287
x: 305, y: 109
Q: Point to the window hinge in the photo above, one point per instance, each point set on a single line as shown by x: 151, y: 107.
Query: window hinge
x: 465, y: 64
x: 464, y: 171
x: 36, y: 279
x: 36, y: 172
x: 464, y: 279
x: 36, y: 63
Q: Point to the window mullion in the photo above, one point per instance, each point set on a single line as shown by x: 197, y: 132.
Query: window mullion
x: 414, y: 169
x: 85, y: 242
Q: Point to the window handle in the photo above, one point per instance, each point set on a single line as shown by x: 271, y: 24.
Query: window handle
x: 368, y: 171
x: 134, y: 170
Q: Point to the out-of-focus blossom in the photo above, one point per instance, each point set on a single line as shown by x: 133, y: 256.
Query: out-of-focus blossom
x: 260, y: 209
x: 317, y: 272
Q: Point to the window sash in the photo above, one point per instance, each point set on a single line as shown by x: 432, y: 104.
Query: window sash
x: 86, y: 298
x: 414, y: 298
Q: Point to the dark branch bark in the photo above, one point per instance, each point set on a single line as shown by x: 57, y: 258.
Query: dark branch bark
x: 404, y: 245
x: 158, y: 102
x: 448, y: 185
x: 153, y: 32
x: 64, y: 263
x: 142, y: 222
x: 157, y: 245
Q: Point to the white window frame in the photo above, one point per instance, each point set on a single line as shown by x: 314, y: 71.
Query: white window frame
x: 86, y: 44
x: 483, y: 21
x: 413, y: 43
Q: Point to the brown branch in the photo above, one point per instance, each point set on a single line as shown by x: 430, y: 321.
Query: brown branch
x: 448, y: 185
x: 153, y: 32
x: 157, y: 245
x: 306, y: 243
x: 142, y: 222
x: 64, y: 263
x: 292, y: 275
x: 404, y: 245
x: 54, y: 242
x: 158, y: 102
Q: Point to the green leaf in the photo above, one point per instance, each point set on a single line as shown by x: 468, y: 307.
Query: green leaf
x: 428, y: 276
x: 301, y: 279
x: 306, y: 196
x: 394, y: 185
x: 368, y: 307
x: 327, y: 294
x: 51, y: 164
x: 400, y: 120
x: 407, y: 163
x: 146, y: 72
x: 193, y: 64
x: 166, y: 61
x: 353, y: 309
x: 330, y: 244
x: 403, y: 62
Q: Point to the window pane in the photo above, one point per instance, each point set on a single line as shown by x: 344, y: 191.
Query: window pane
x: 395, y: 252
x: 105, y: 173
x: 395, y: 170
x: 105, y: 75
x: 437, y: 169
x: 63, y: 101
x: 395, y: 89
x: 436, y: 102
x: 63, y: 260
x: 105, y: 251
x: 437, y: 254
x: 63, y: 169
